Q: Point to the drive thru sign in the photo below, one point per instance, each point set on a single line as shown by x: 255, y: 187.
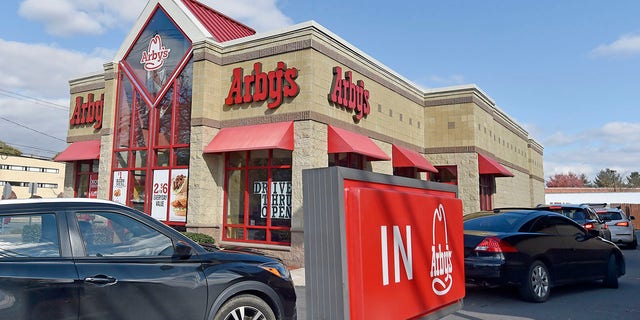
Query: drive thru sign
x: 381, y: 247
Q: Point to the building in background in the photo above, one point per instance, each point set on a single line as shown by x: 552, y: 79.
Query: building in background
x: 24, y: 174
x: 206, y: 125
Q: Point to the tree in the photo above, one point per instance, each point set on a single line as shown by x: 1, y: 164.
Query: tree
x: 608, y: 178
x: 567, y: 180
x: 6, y: 149
x: 633, y: 180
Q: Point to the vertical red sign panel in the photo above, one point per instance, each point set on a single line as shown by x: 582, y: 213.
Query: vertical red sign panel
x: 404, y: 251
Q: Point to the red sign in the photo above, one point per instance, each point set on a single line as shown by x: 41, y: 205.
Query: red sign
x: 153, y: 58
x: 260, y: 86
x: 88, y: 112
x: 405, y: 253
x: 93, y: 185
x: 349, y: 95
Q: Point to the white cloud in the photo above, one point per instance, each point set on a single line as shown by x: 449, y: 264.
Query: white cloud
x: 80, y: 17
x: 28, y: 68
x: 614, y: 145
x: 261, y: 15
x: 626, y: 45
x: 29, y: 80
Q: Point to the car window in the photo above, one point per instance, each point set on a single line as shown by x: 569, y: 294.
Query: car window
x: 544, y: 225
x: 110, y: 234
x: 34, y: 235
x: 610, y: 215
x: 498, y: 223
x: 564, y: 227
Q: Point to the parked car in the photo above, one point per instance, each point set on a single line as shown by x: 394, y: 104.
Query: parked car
x: 95, y: 259
x: 583, y: 214
x: 535, y: 250
x: 621, y: 226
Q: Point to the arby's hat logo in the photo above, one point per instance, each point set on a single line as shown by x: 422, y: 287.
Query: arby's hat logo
x: 153, y: 58
x: 441, y: 266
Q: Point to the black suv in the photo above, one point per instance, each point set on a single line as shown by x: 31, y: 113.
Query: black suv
x: 583, y: 214
x: 95, y: 259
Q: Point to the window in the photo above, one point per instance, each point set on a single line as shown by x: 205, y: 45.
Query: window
x: 349, y: 160
x: 109, y: 234
x: 34, y: 235
x: 152, y: 146
x: 445, y: 174
x: 86, y: 179
x: 487, y: 187
x: 258, y: 196
x: 409, y: 172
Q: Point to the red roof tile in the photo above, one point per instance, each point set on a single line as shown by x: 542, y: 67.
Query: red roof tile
x: 220, y: 26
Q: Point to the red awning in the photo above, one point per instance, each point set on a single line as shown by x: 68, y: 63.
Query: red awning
x: 257, y: 137
x: 403, y: 157
x: 487, y: 165
x: 340, y: 140
x: 80, y: 150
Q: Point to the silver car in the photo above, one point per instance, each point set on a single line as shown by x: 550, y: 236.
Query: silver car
x: 621, y: 226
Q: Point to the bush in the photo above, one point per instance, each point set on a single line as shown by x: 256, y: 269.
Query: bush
x: 200, y: 237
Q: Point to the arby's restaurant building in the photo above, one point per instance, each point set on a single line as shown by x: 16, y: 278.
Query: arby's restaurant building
x: 206, y: 125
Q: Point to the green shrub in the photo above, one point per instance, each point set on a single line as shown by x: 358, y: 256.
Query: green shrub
x: 200, y: 237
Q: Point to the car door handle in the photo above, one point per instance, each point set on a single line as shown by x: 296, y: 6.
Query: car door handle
x: 101, y: 279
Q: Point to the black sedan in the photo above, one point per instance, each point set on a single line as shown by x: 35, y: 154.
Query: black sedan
x: 535, y: 250
x: 93, y: 259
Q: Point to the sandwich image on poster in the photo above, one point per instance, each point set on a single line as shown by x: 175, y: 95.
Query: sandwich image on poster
x: 179, y: 191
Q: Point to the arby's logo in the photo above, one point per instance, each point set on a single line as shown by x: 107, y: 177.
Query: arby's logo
x: 153, y: 58
x: 441, y: 266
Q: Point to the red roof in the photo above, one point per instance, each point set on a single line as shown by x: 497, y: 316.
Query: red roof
x: 341, y: 140
x: 403, y: 157
x: 80, y: 150
x: 220, y: 26
x: 257, y: 137
x: 487, y: 165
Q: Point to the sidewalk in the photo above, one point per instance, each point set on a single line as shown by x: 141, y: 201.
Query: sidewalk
x: 298, y: 277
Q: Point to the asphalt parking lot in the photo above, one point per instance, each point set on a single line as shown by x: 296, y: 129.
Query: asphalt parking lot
x: 586, y: 301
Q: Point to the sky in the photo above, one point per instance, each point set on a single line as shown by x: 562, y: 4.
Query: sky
x: 567, y: 71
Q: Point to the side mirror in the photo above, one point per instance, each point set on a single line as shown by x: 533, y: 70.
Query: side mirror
x: 632, y: 217
x: 183, y: 251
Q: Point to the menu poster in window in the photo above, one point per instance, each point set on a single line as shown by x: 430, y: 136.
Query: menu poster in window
x: 280, y: 198
x: 119, y: 191
x: 160, y: 194
x: 179, y: 187
x: 93, y: 185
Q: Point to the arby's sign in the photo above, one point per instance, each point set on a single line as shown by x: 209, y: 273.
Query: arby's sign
x: 390, y: 249
x: 88, y: 112
x: 345, y: 93
x: 272, y: 86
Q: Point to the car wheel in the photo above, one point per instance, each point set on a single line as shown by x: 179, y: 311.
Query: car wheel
x: 245, y: 307
x: 611, y: 277
x: 634, y: 243
x: 537, y: 284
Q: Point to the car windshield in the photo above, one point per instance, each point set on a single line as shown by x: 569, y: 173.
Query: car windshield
x: 505, y: 222
x: 610, y: 215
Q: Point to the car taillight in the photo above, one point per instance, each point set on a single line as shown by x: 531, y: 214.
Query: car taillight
x: 589, y: 226
x: 494, y: 244
x: 622, y: 224
x: 555, y: 207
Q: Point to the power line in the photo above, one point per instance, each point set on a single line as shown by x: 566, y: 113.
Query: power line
x: 45, y: 103
x: 34, y: 130
x: 29, y: 147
